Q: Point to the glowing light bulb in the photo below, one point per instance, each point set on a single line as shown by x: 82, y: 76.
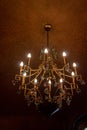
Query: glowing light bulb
x: 46, y: 51
x: 24, y: 74
x: 73, y: 74
x: 29, y: 55
x: 49, y: 81
x: 61, y: 80
x: 21, y: 64
x: 74, y: 64
x: 35, y: 81
x: 64, y: 54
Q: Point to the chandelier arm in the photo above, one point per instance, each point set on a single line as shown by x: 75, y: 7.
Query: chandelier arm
x: 42, y: 76
x: 67, y: 75
x: 67, y: 82
x: 77, y: 86
x: 52, y: 72
x: 66, y: 65
x: 62, y: 73
x: 33, y: 74
x: 39, y: 92
x: 79, y: 77
x: 69, y: 88
x: 59, y: 100
x: 59, y: 74
x: 56, y: 91
x: 58, y: 69
x: 27, y: 84
x: 32, y: 70
x: 37, y: 75
x: 72, y: 89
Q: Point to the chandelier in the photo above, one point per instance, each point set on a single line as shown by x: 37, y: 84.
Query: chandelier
x: 48, y: 83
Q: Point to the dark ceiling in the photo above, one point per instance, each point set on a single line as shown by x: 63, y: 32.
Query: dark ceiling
x: 22, y: 30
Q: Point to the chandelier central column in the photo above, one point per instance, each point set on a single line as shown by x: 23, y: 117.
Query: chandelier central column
x: 47, y: 28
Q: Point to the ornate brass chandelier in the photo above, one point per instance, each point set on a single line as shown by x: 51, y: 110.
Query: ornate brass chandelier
x: 48, y: 83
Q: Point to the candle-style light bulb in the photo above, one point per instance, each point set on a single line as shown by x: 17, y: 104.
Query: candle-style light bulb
x: 35, y: 81
x: 23, y: 78
x: 73, y: 77
x: 73, y: 74
x: 21, y: 66
x: 29, y: 57
x: 49, y: 82
x: 24, y: 74
x: 64, y: 56
x: 75, y: 67
x: 46, y: 51
x: 74, y: 64
x: 61, y: 80
x: 61, y: 83
x: 45, y: 54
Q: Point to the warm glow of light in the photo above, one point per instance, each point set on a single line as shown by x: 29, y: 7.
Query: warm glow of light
x: 64, y: 54
x: 73, y: 74
x: 74, y: 64
x: 49, y: 81
x: 24, y: 74
x: 21, y: 64
x: 35, y: 81
x: 45, y: 50
x: 61, y: 80
x: 29, y: 55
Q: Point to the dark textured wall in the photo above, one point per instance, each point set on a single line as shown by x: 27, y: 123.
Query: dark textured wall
x: 21, y: 31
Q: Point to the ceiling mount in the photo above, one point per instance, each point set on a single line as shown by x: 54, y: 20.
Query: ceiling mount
x: 47, y: 27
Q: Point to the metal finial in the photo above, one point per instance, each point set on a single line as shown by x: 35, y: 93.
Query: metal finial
x: 48, y: 27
